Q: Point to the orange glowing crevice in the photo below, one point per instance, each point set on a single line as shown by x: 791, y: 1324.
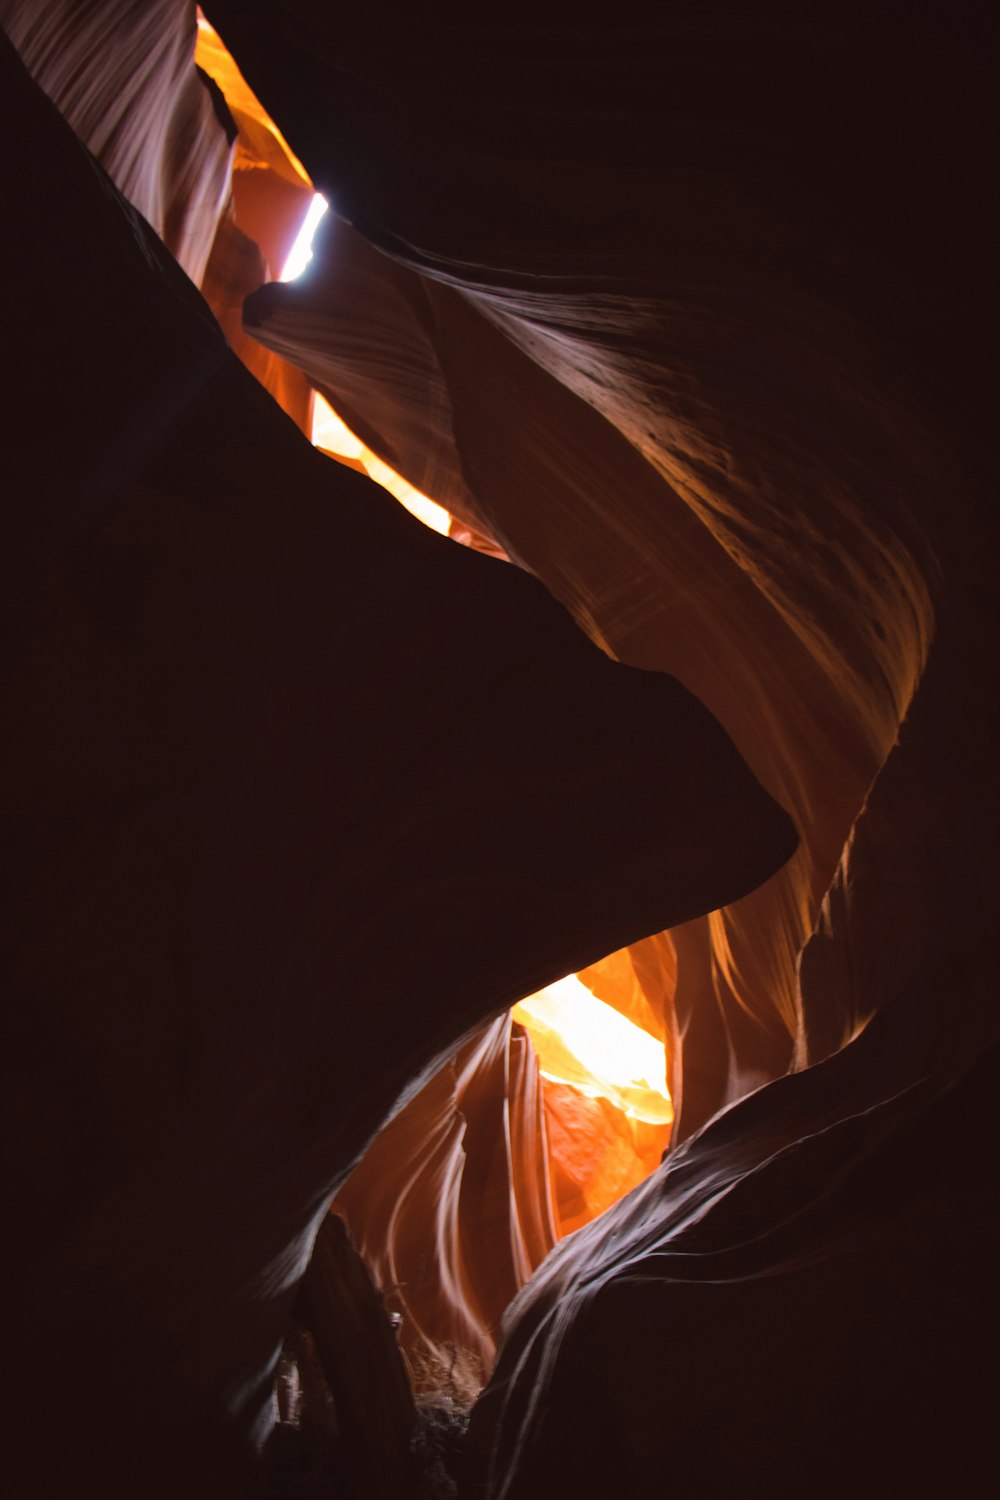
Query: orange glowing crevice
x: 596, y: 1153
x: 261, y: 143
x: 334, y: 437
x: 589, y: 1045
x: 604, y: 1097
x: 270, y: 195
x: 261, y: 148
x: 608, y: 1110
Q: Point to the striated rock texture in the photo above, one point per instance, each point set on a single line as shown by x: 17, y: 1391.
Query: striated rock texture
x: 803, y: 1297
x: 270, y: 195
x: 152, y: 93
x: 123, y: 75
x: 452, y: 1205
x: 647, y: 304
x: 689, y: 310
x: 298, y: 795
x: 686, y: 311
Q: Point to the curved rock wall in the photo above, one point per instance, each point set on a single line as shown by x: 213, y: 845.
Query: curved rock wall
x: 708, y: 297
x: 257, y: 886
x: 639, y: 344
x: 123, y: 76
x: 452, y: 1205
x: 687, y: 316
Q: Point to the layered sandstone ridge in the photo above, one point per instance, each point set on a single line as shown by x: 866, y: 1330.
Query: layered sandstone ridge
x: 262, y: 724
x: 565, y: 334
x: 686, y: 317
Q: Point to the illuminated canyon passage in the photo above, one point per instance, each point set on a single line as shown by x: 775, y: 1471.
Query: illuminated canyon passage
x: 499, y: 744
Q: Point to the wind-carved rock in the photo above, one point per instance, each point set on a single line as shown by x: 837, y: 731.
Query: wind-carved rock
x: 299, y: 794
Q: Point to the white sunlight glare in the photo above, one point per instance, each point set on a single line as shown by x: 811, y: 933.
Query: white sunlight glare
x: 301, y: 252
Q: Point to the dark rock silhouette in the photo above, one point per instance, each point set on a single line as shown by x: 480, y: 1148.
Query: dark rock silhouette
x: 685, y: 311
x: 269, y: 742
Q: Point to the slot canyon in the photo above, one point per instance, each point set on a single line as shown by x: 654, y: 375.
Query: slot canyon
x: 499, y: 741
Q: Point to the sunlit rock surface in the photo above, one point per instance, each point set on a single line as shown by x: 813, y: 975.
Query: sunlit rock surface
x: 299, y: 795
x: 819, y: 1255
x: 270, y: 197
x: 451, y: 1205
x: 151, y: 92
x: 123, y: 75
x: 688, y: 317
x: 682, y: 403
x: 362, y: 329
x: 724, y: 275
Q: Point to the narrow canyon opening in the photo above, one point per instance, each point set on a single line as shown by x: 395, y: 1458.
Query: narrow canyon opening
x: 605, y: 1114
x: 499, y: 995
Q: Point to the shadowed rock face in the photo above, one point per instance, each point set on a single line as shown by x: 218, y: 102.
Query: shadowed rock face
x: 689, y: 317
x: 298, y: 794
x: 705, y: 267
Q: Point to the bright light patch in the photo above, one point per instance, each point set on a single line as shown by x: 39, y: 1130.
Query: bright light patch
x: 593, y: 1047
x: 258, y: 134
x: 301, y: 252
x: 334, y: 436
x: 433, y: 515
x: 331, y: 434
